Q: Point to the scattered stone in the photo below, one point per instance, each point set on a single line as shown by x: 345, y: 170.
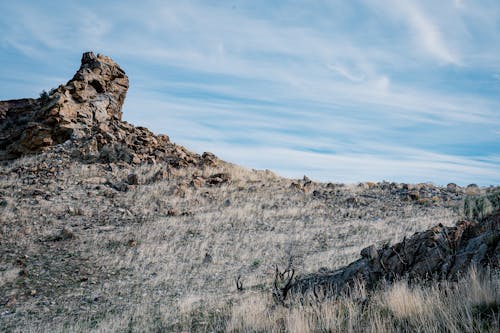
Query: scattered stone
x: 120, y: 186
x: 209, y: 160
x: 197, y: 182
x: 74, y: 211
x: 65, y: 234
x: 414, y: 195
x: 11, y: 302
x: 207, y: 259
x: 172, y: 212
x: 472, y: 189
x: 132, y: 179
x: 218, y: 179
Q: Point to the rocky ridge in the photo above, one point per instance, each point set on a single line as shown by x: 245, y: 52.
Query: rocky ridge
x: 85, y: 115
x: 440, y: 253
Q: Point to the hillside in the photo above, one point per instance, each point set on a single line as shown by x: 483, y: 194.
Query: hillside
x: 105, y: 226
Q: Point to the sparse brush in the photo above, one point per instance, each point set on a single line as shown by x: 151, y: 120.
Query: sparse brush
x: 478, y: 207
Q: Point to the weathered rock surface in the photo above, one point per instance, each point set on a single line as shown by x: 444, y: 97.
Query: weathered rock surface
x: 439, y: 253
x: 85, y: 105
x: 85, y: 114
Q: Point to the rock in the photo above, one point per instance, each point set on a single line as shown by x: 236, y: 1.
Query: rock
x: 120, y: 186
x: 65, y: 234
x: 218, y: 179
x: 207, y: 259
x: 132, y: 179
x: 472, y: 189
x: 369, y: 252
x: 197, y: 182
x: 84, y: 117
x: 209, y: 160
x: 440, y: 253
x: 172, y: 212
x: 414, y: 195
x: 11, y: 302
x: 89, y: 100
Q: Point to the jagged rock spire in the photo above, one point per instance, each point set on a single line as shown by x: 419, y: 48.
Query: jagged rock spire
x: 87, y: 112
x: 87, y: 103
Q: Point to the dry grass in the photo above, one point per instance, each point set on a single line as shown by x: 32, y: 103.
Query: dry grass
x: 151, y: 270
x: 471, y: 305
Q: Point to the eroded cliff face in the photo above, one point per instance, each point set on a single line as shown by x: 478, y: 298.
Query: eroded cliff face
x: 86, y: 114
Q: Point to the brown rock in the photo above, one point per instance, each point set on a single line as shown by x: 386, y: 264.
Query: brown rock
x: 218, y: 179
x: 414, y: 195
x: 472, y: 189
x: 132, y: 179
x: 172, y: 212
x: 209, y: 160
x: 93, y: 97
x: 11, y: 302
x: 197, y: 182
x: 86, y: 113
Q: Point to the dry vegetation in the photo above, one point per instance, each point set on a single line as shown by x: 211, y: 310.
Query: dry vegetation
x: 83, y: 251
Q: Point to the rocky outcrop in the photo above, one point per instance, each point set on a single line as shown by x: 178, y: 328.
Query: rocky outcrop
x: 85, y: 114
x: 85, y: 105
x: 438, y: 253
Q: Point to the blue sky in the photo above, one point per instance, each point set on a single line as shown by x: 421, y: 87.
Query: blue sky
x: 341, y: 91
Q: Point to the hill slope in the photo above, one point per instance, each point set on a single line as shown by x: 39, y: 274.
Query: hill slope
x: 106, y: 226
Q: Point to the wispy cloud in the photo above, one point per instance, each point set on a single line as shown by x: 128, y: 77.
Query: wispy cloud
x: 427, y: 33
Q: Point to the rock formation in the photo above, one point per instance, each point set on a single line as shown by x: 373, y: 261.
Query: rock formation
x: 442, y: 253
x: 85, y: 114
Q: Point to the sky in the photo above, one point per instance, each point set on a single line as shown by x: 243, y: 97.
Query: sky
x: 340, y: 91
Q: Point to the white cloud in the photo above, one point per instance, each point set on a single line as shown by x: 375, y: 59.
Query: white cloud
x: 344, y: 72
x: 427, y: 33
